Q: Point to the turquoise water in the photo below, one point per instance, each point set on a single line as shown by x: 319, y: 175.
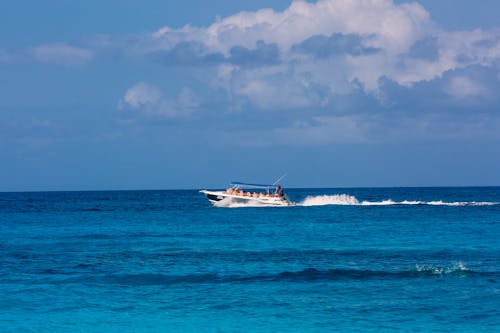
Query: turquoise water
x: 366, y: 260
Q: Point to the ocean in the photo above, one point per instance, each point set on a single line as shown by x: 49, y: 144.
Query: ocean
x: 342, y: 260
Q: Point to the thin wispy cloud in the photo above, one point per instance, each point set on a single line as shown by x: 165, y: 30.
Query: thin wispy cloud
x: 4, y: 56
x: 59, y: 54
x: 149, y: 101
x: 62, y: 54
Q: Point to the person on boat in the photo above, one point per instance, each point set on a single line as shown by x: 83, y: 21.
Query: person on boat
x: 280, y: 191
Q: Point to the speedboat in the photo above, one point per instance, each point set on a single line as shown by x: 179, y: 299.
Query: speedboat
x: 245, y: 194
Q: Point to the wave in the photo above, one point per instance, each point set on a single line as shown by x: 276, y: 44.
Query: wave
x: 306, y: 275
x: 95, y: 209
x: 349, y: 200
x: 230, y: 203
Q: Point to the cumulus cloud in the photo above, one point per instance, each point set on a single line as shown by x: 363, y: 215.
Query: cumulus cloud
x: 318, y: 57
x: 142, y: 94
x: 149, y: 101
x: 296, y: 36
x: 333, y: 46
x: 263, y: 55
x: 321, y: 46
x: 392, y: 27
x: 356, y: 42
x: 193, y: 53
x: 426, y: 48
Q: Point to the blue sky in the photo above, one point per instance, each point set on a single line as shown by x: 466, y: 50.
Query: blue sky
x: 165, y: 94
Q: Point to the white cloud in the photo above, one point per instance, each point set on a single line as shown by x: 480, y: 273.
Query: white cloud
x: 4, y: 56
x: 335, y: 71
x: 272, y: 89
x: 62, y: 54
x: 393, y: 27
x: 257, y: 59
x: 142, y: 94
x: 324, y: 130
x: 462, y: 87
x: 390, y: 29
x: 150, y: 101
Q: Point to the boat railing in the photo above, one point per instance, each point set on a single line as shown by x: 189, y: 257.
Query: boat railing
x: 253, y: 194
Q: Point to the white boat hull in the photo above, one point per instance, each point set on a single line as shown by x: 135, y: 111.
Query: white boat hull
x: 224, y: 199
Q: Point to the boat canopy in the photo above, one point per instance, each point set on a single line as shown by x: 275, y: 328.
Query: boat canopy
x: 248, y: 185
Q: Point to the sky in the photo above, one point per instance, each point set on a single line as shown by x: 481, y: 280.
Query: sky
x: 129, y: 94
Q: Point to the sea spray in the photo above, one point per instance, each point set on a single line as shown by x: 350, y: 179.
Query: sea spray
x: 335, y: 199
x: 349, y: 200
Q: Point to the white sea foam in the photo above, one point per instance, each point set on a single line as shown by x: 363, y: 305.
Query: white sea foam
x: 230, y: 203
x: 457, y: 267
x: 349, y: 200
x: 336, y: 199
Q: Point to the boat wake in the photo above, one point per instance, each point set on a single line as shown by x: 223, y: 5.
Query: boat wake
x: 232, y: 203
x: 349, y: 200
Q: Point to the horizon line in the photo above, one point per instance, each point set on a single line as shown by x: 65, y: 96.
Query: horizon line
x: 292, y: 188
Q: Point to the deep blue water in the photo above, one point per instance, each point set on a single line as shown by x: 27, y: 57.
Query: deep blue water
x: 149, y: 261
